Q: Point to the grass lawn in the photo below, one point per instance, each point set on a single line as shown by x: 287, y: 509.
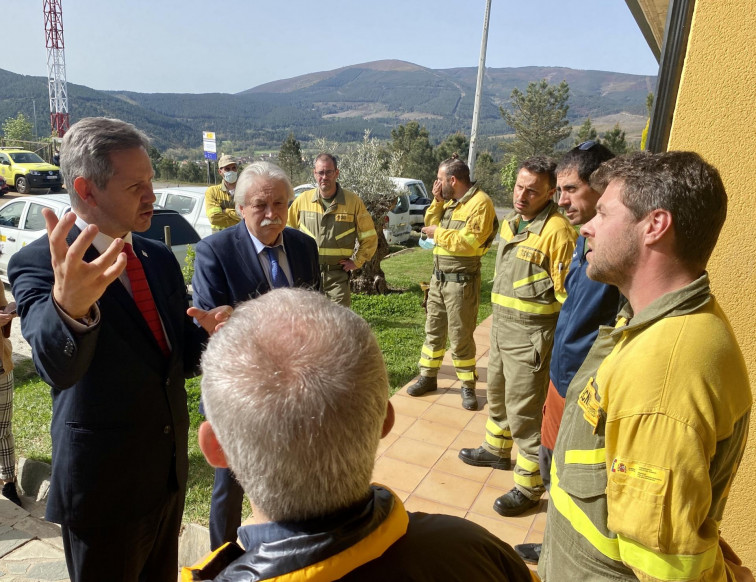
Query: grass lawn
x: 397, y: 320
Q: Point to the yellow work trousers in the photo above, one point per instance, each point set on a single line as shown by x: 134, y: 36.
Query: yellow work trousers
x: 336, y: 285
x: 452, y: 313
x: 518, y: 379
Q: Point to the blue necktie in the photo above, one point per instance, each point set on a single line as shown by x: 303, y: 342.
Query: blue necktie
x: 277, y: 275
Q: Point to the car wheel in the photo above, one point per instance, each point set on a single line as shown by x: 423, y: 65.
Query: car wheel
x: 22, y: 185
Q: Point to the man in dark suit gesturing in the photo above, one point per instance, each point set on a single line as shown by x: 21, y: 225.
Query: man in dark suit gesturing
x: 105, y: 312
x: 243, y: 262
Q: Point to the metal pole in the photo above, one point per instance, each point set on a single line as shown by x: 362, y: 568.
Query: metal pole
x: 478, y: 91
x: 34, y: 108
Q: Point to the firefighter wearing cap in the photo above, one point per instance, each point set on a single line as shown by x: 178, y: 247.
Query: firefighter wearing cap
x: 339, y: 222
x: 528, y: 291
x: 463, y: 223
x: 219, y: 199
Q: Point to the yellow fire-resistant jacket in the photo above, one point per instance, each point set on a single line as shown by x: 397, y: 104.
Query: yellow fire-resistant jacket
x: 220, y: 207
x: 654, y: 429
x: 466, y: 229
x: 531, y: 266
x: 337, y: 229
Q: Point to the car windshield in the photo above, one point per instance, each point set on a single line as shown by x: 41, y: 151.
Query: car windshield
x: 402, y: 204
x: 181, y: 231
x: 415, y: 192
x: 26, y: 158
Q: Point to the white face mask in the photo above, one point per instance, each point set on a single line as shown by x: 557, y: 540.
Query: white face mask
x: 426, y: 243
x: 230, y: 177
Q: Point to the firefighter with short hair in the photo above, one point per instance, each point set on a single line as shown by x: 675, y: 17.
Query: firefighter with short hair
x: 339, y: 222
x: 534, y: 254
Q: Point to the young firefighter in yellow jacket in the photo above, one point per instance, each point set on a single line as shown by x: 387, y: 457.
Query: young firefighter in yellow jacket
x: 463, y: 223
x: 534, y: 254
x: 339, y: 222
x: 656, y: 419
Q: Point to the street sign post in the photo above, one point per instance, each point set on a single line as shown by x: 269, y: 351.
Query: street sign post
x: 211, y: 155
x: 208, y: 143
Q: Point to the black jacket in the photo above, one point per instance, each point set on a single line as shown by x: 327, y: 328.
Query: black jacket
x: 377, y: 540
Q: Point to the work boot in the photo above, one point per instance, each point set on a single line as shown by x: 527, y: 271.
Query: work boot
x: 513, y: 503
x: 469, y: 400
x: 530, y: 553
x: 480, y: 457
x: 424, y: 384
x: 9, y: 492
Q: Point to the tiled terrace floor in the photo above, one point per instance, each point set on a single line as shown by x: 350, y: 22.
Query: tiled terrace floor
x: 418, y: 459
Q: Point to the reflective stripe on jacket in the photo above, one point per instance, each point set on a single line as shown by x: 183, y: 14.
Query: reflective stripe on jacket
x: 653, y: 432
x: 531, y: 267
x: 338, y: 228
x: 466, y: 229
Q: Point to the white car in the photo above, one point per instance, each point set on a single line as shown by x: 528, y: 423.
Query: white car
x: 189, y: 202
x: 303, y: 188
x: 396, y: 223
x: 418, y: 198
x: 22, y: 222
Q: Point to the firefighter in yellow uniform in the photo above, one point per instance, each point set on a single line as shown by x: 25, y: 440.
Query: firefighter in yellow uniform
x: 462, y: 222
x: 219, y: 199
x: 534, y: 254
x: 339, y: 222
x: 656, y: 419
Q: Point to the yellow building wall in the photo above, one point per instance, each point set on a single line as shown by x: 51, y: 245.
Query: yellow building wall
x: 715, y: 116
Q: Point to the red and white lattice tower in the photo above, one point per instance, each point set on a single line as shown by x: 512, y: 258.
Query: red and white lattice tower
x: 56, y: 67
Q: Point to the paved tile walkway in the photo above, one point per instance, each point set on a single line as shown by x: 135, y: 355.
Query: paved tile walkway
x: 418, y: 459
x: 31, y: 549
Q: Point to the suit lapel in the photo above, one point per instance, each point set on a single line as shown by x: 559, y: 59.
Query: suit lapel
x: 297, y: 267
x: 250, y: 261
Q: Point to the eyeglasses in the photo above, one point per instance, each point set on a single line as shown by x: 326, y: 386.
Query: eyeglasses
x: 325, y: 173
x: 587, y: 145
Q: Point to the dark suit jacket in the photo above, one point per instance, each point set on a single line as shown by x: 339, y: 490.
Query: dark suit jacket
x: 120, y: 422
x: 227, y: 269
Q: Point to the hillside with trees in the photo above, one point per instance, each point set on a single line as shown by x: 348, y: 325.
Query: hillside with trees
x: 338, y: 105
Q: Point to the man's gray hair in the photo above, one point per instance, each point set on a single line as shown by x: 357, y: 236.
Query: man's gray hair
x: 259, y: 171
x: 296, y: 390
x: 86, y: 148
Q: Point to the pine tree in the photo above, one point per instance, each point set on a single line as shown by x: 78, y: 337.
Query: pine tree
x: 615, y: 140
x: 290, y: 158
x: 416, y: 158
x: 538, y: 118
x: 586, y: 133
x: 456, y: 143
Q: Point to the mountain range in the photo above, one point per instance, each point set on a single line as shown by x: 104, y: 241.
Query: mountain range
x: 340, y: 104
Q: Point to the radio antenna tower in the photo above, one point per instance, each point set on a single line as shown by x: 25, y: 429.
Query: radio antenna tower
x: 56, y: 67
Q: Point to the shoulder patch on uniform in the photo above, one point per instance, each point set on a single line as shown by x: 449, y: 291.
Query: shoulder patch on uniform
x: 588, y: 400
x: 530, y: 255
x: 475, y: 224
x: 638, y: 470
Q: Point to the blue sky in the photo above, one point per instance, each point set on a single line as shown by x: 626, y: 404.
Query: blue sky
x: 190, y: 46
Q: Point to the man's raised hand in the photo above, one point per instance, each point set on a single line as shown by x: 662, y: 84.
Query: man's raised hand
x: 78, y: 284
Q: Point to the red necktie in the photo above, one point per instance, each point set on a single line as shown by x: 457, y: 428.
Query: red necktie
x: 140, y: 290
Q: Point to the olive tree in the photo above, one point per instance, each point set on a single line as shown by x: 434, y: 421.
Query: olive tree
x: 364, y: 168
